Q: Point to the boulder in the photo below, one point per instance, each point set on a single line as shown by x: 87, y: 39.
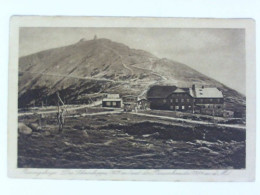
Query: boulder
x: 23, y: 129
x: 35, y: 127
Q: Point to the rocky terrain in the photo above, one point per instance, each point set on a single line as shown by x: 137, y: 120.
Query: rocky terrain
x: 128, y: 141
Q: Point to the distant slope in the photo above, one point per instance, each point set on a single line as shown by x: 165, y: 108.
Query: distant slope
x: 103, y: 66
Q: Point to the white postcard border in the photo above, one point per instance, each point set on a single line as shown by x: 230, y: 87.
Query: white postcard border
x: 247, y: 174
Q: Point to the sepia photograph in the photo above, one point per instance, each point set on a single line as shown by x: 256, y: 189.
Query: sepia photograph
x: 132, y: 97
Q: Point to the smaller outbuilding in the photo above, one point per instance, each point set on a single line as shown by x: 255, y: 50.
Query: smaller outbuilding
x: 143, y: 103
x: 112, y: 100
x: 130, y: 103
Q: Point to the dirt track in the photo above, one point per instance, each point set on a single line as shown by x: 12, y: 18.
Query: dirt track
x: 55, y: 110
x: 191, y: 121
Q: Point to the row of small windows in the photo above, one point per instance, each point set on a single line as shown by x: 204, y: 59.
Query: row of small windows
x: 179, y: 95
x: 177, y: 100
x: 111, y: 103
x: 210, y: 106
x: 211, y: 100
x: 179, y: 107
x: 188, y: 100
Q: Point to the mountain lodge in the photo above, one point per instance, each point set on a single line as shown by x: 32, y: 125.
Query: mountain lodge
x: 204, y: 100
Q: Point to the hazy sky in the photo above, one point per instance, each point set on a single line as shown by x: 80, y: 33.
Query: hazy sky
x: 217, y: 53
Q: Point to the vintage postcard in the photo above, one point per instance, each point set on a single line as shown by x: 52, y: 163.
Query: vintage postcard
x: 117, y: 98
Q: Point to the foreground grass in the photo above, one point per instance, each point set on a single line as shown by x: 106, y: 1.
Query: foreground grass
x: 127, y: 141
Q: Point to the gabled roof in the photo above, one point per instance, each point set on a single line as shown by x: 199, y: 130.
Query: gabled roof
x: 207, y: 92
x: 160, y: 91
x: 110, y: 99
x: 179, y: 90
x: 164, y: 91
x: 199, y: 92
x: 113, y: 96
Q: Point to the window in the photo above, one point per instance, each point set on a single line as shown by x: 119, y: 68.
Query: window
x: 176, y: 100
x: 164, y: 100
x: 114, y: 103
x: 182, y: 100
x: 183, y: 107
x: 211, y: 100
x: 108, y: 103
x: 218, y: 100
x: 171, y: 100
x: 188, y: 100
x: 171, y: 107
x: 201, y: 100
x: 177, y: 107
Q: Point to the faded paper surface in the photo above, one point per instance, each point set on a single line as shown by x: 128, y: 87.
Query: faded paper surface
x: 243, y: 33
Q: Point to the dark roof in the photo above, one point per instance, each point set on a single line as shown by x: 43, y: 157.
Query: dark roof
x: 160, y: 91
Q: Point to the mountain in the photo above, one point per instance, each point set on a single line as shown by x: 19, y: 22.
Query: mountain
x: 96, y: 67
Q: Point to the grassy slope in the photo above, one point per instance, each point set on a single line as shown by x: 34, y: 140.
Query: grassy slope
x: 103, y: 58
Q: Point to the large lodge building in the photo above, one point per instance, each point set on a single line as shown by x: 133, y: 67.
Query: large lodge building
x: 204, y: 100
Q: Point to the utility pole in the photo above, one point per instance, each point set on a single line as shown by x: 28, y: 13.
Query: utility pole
x: 59, y: 99
x: 193, y: 100
x: 60, y: 114
x: 213, y: 113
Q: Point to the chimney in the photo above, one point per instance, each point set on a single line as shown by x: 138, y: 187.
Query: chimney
x: 193, y: 90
